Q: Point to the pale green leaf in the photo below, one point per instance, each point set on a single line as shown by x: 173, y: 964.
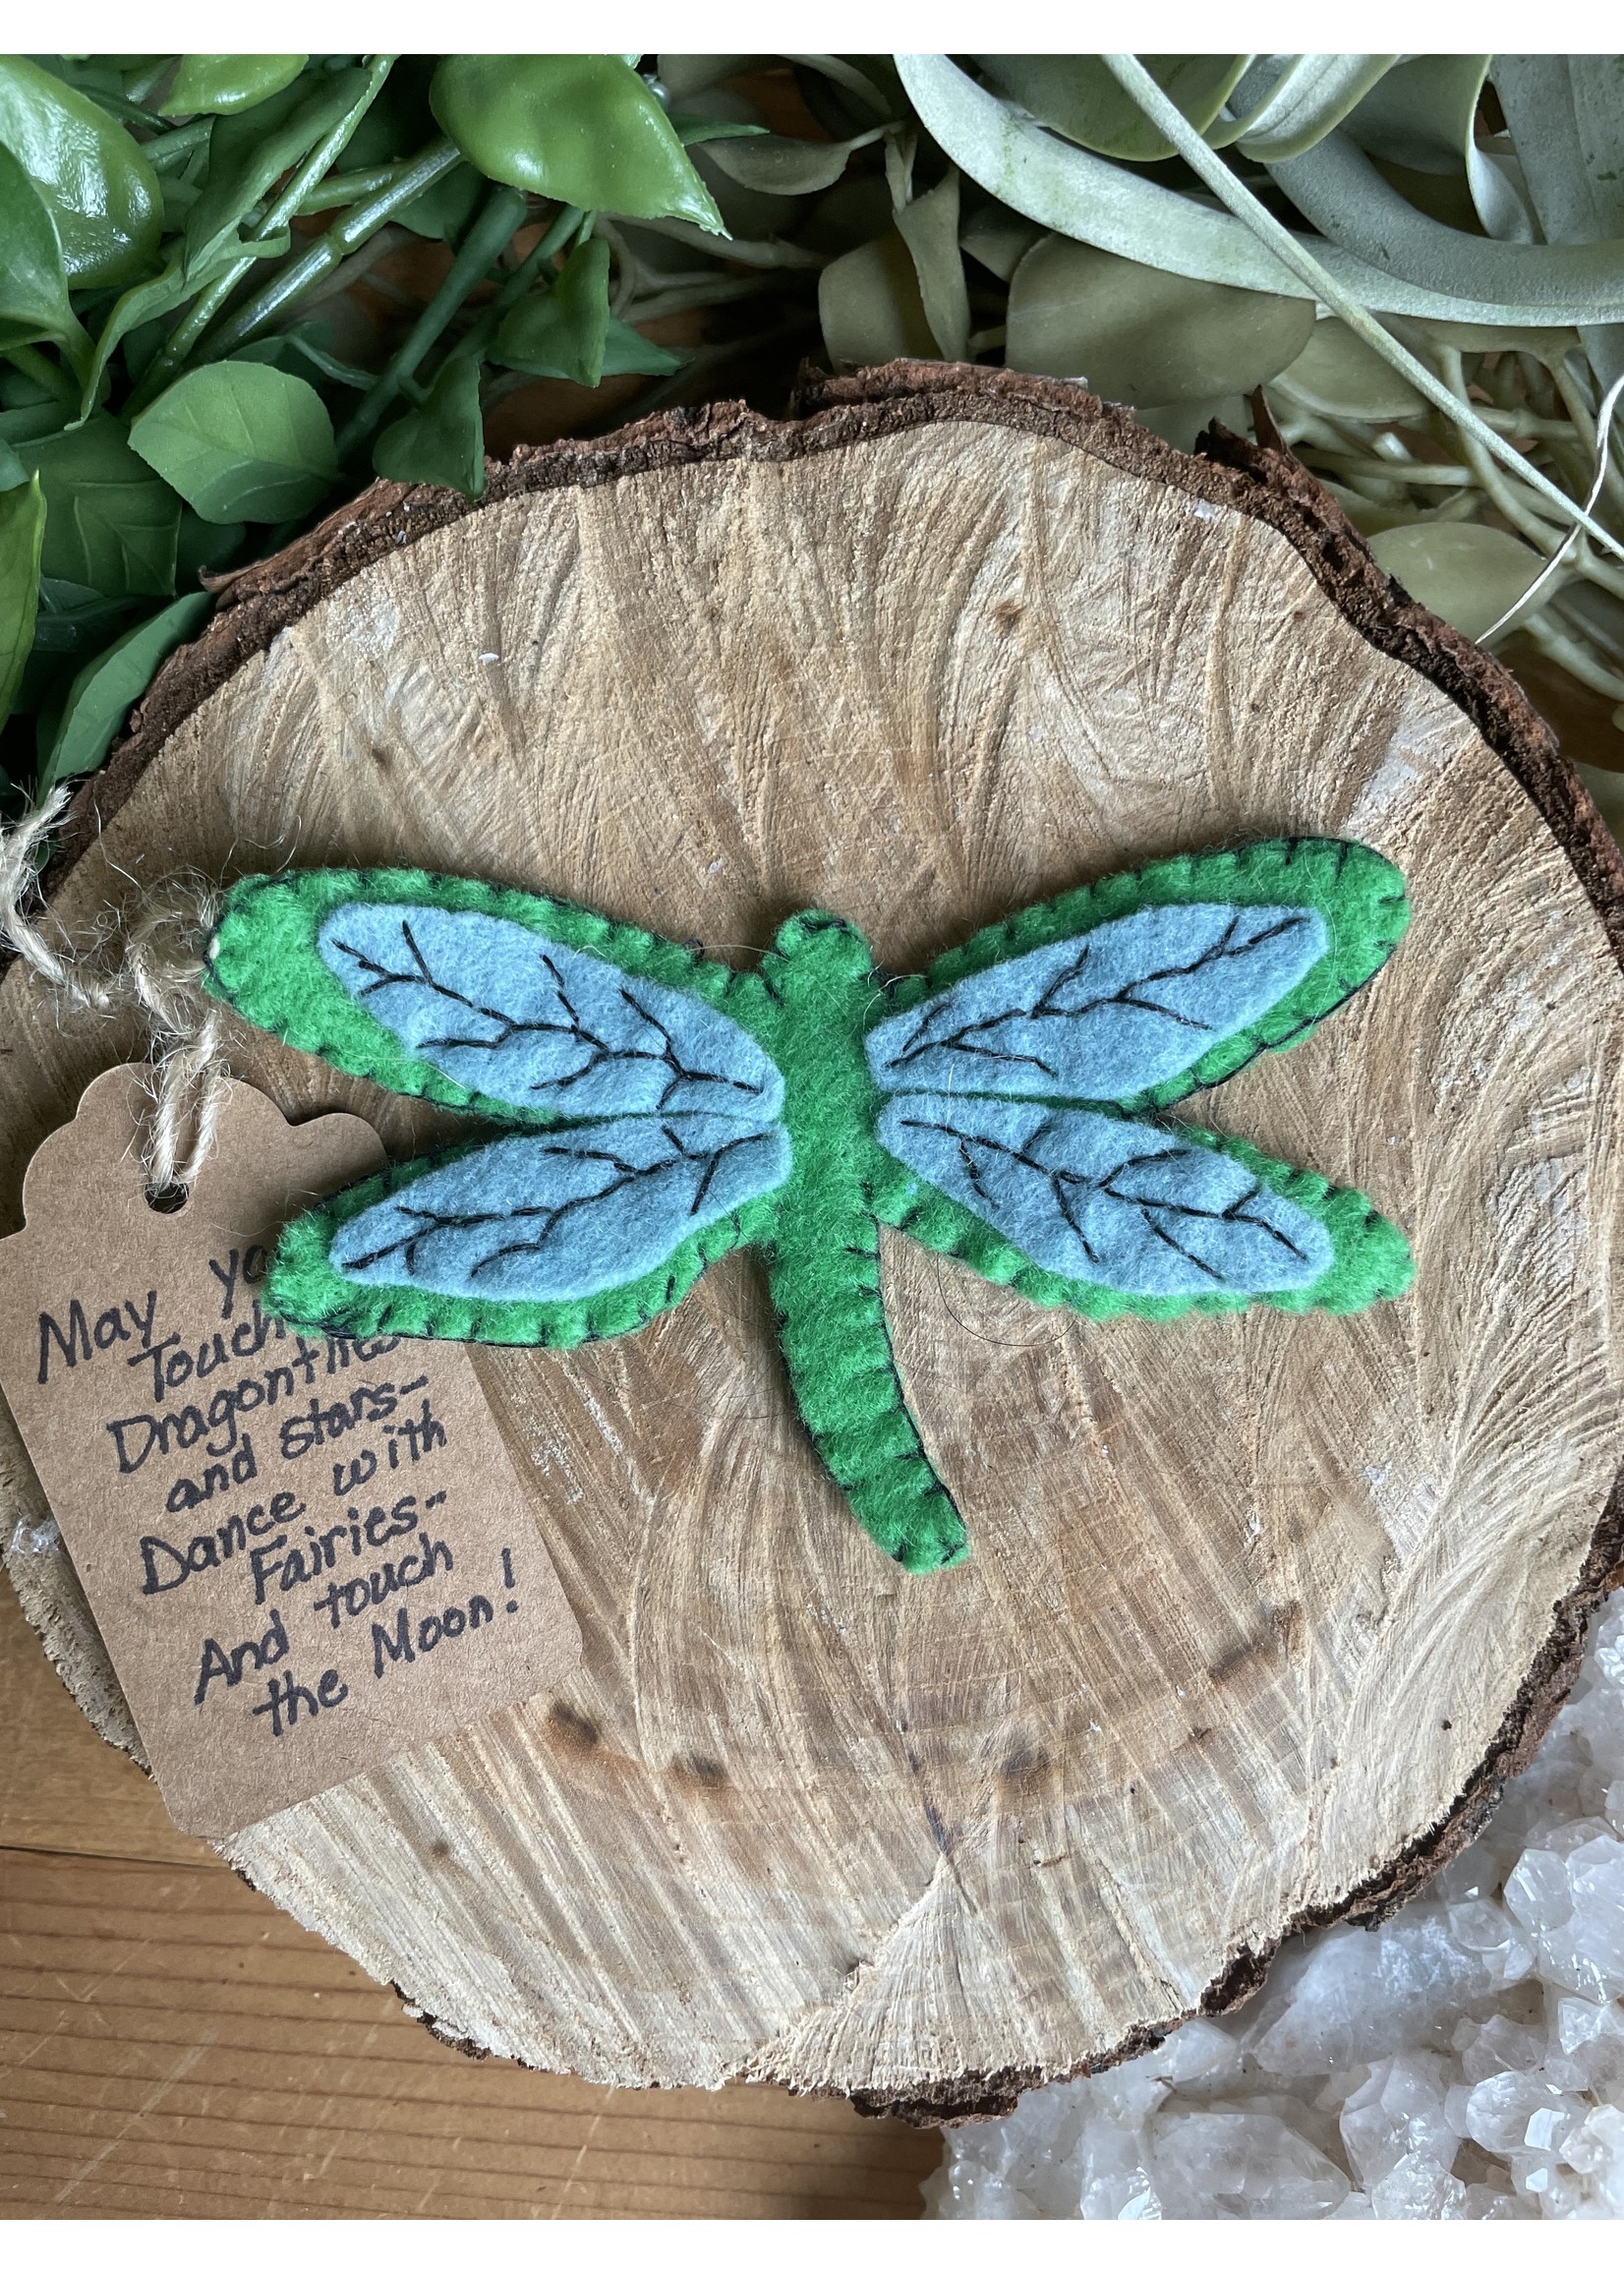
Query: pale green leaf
x: 929, y: 226
x: 999, y: 239
x: 1468, y: 574
x: 869, y: 305
x: 1315, y: 274
x: 1310, y: 97
x: 785, y: 167
x: 1182, y: 422
x: 1083, y: 196
x: 1336, y: 187
x: 1422, y: 113
x: 1338, y: 375
x: 1078, y: 97
x: 1566, y: 115
x: 1138, y: 335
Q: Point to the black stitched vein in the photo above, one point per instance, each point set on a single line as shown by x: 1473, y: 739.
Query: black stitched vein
x: 426, y: 1222
x: 967, y: 1040
x: 574, y: 1027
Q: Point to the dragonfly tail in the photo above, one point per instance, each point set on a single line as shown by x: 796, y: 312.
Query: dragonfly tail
x: 837, y: 1348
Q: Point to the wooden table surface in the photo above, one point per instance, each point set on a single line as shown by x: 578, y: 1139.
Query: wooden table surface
x: 172, y: 2046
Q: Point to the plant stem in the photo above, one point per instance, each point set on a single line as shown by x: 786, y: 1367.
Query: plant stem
x: 170, y: 149
x: 318, y: 260
x: 502, y: 213
x: 303, y: 178
x: 39, y: 367
x: 514, y: 287
x: 346, y: 189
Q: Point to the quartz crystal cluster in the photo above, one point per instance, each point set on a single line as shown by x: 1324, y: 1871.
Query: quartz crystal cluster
x: 1463, y: 2061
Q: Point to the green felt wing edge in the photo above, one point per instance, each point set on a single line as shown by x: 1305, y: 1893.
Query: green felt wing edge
x: 1359, y: 894
x: 265, y: 962
x: 304, y: 1288
x: 1370, y: 1258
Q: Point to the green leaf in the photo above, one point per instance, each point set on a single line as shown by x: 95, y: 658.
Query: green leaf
x: 627, y: 350
x: 1422, y: 116
x: 1138, y: 335
x: 782, y: 165
x: 1566, y: 115
x: 929, y: 227
x: 1316, y: 275
x: 1078, y: 97
x: 1465, y: 573
x: 241, y: 441
x: 111, y: 523
x: 303, y: 345
x: 999, y: 239
x: 684, y: 75
x: 103, y: 692
x: 142, y: 304
x: 442, y: 442
x: 562, y: 333
x: 33, y: 285
x: 250, y: 151
x: 446, y: 206
x: 92, y: 178
x: 869, y: 305
x: 1304, y: 102
x: 223, y: 84
x: 1338, y: 375
x: 73, y: 619
x: 581, y: 127
x: 203, y: 545
x: 1083, y: 196
x: 22, y: 537
x: 1336, y: 187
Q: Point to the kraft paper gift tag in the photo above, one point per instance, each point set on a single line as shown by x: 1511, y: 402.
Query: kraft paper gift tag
x: 306, y: 1553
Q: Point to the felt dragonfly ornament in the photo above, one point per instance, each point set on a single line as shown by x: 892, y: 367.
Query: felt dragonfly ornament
x: 658, y: 1109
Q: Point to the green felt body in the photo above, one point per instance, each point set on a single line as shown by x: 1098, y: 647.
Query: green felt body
x: 814, y: 999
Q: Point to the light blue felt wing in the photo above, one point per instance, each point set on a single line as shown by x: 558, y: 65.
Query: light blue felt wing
x: 1121, y: 1202
x: 524, y: 1020
x: 1107, y: 1014
x: 563, y: 1213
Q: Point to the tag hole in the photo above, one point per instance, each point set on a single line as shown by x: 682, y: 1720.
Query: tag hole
x: 166, y: 1199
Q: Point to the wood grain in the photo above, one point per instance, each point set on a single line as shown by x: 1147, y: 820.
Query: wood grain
x: 1259, y: 1607
x: 172, y: 2046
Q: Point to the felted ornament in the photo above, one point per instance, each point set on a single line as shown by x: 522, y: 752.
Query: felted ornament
x: 1001, y: 1109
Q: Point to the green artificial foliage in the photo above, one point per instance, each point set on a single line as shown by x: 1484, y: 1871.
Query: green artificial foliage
x: 819, y: 1009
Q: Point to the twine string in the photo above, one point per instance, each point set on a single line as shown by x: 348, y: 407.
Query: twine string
x: 154, y: 969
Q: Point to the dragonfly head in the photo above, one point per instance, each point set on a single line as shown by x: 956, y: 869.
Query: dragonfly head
x: 821, y: 947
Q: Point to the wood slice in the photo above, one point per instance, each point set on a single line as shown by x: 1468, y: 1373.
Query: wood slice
x: 1261, y: 1609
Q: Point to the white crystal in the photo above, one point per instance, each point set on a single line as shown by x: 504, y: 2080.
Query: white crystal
x: 1419, y: 2186
x: 1395, y: 2115
x: 1242, y: 2167
x: 1464, y: 2060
